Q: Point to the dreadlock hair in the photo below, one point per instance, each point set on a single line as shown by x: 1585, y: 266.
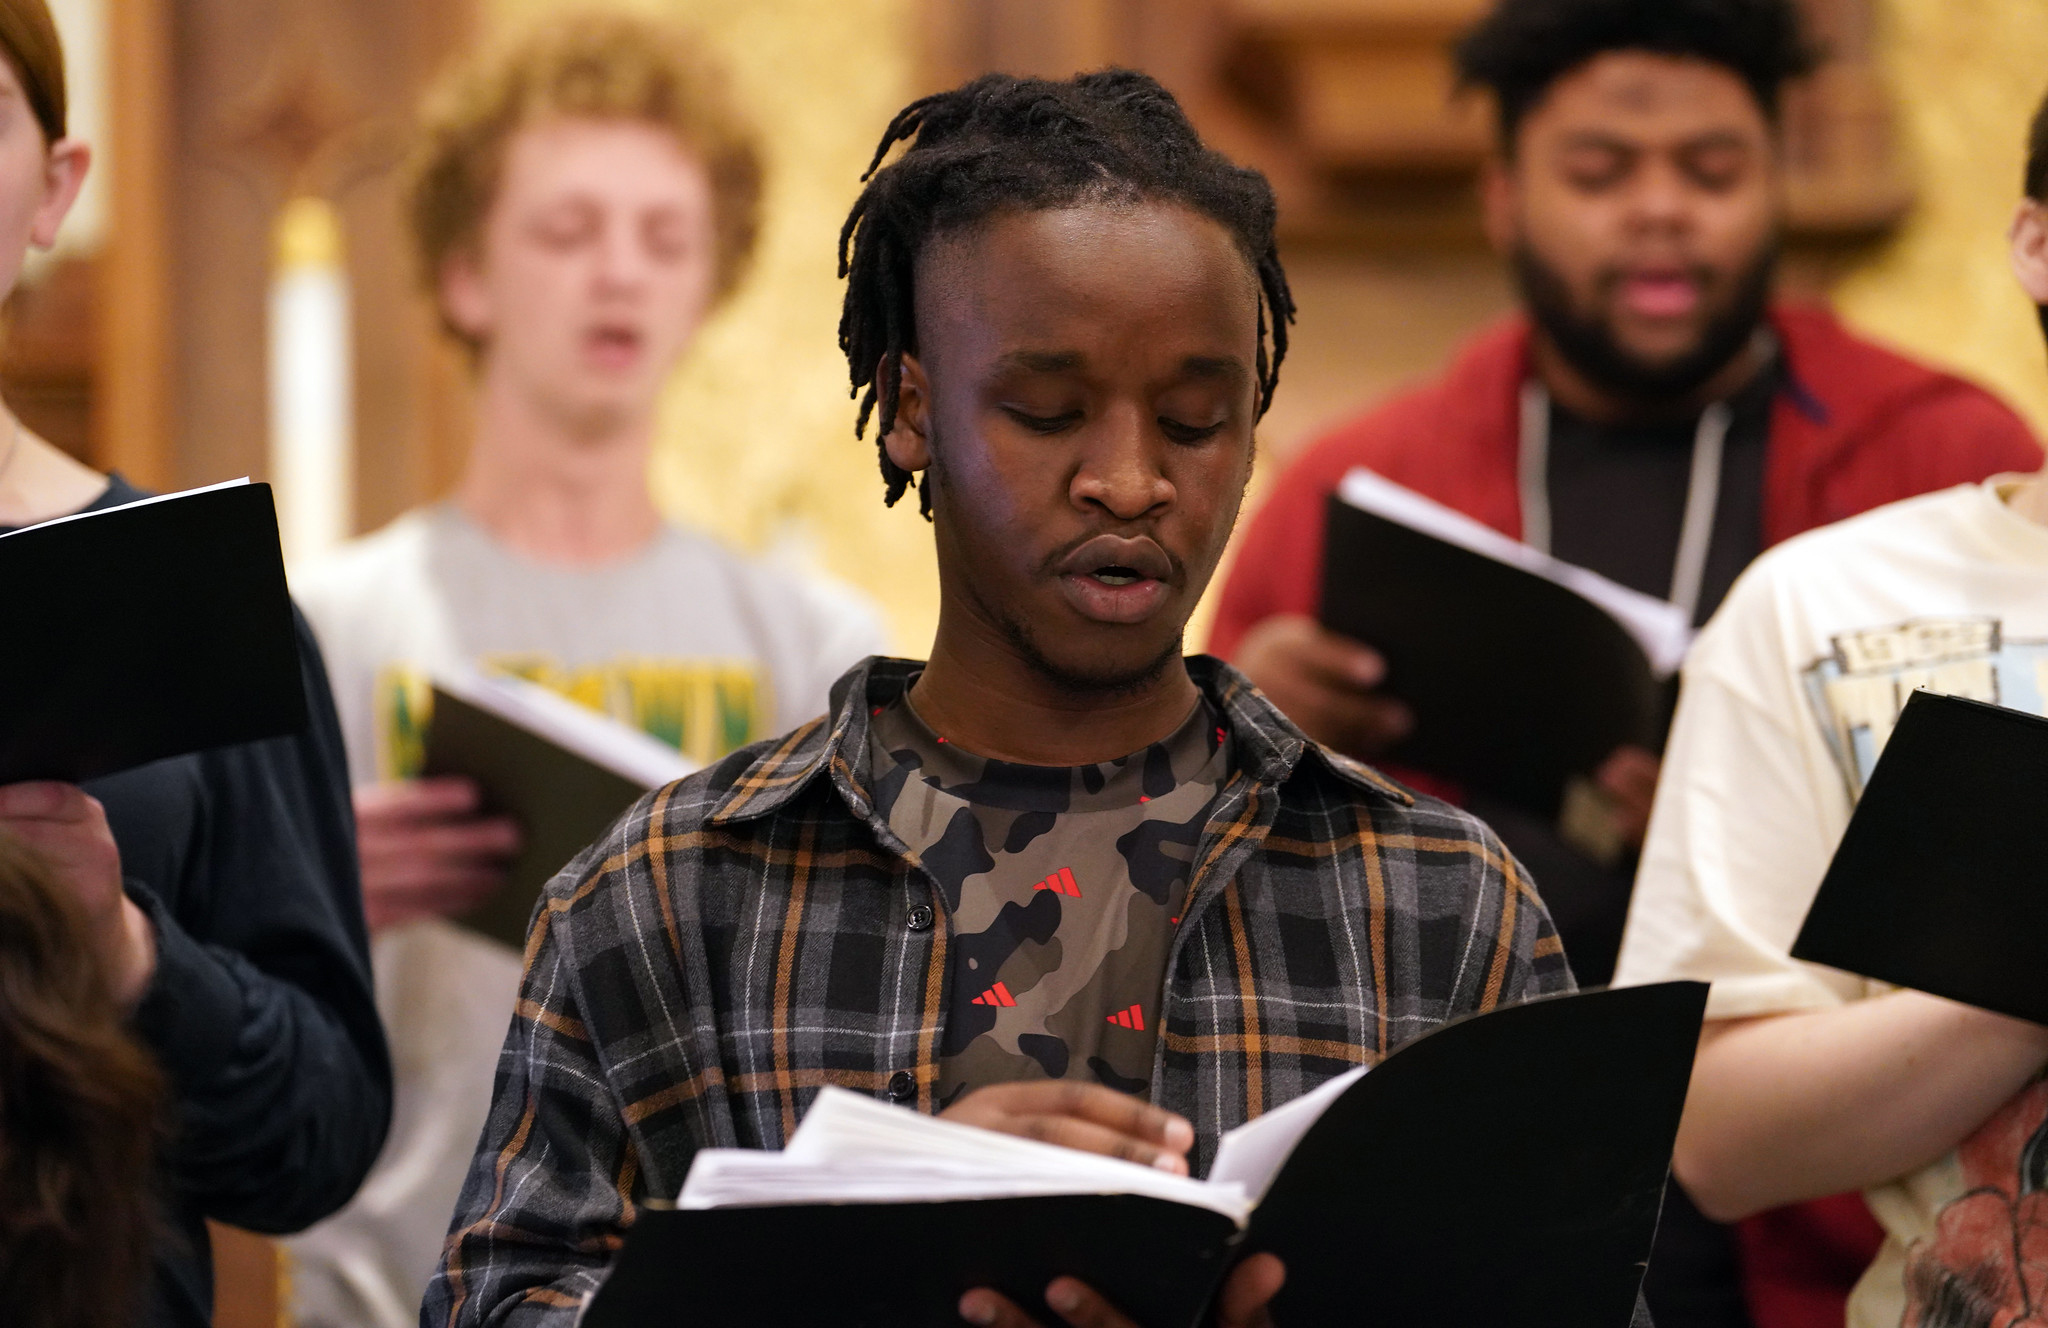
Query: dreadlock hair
x: 998, y: 144
x: 1524, y: 46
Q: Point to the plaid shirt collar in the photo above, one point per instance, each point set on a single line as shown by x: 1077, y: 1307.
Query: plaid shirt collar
x: 1269, y: 747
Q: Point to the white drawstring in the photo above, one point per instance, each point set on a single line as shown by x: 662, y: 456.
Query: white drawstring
x: 1702, y: 495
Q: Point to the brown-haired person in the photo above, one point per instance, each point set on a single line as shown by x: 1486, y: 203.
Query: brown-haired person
x: 221, y: 886
x: 583, y: 197
x: 78, y: 1114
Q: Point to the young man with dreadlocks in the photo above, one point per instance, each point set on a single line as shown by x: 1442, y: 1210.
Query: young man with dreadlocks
x: 1059, y: 880
x: 1652, y: 414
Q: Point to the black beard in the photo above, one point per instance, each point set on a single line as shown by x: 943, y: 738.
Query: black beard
x: 2041, y: 312
x: 1588, y: 346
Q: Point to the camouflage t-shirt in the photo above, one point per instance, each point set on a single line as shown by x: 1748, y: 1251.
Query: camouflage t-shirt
x: 1064, y: 886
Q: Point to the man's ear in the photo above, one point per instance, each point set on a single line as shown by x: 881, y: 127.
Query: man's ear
x: 2029, y: 237
x: 909, y: 443
x: 64, y: 168
x: 1497, y: 191
x: 465, y: 300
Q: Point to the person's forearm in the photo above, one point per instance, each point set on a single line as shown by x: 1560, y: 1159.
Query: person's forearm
x: 1796, y: 1106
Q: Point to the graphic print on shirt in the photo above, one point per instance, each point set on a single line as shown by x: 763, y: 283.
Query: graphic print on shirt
x: 1986, y: 1265
x: 1064, y: 887
x: 1858, y: 689
x: 703, y: 708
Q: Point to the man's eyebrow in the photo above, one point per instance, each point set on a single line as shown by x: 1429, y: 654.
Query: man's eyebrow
x: 1593, y: 138
x: 1226, y: 367
x: 1041, y: 361
x: 1607, y: 142
x: 1066, y: 361
x: 1714, y: 138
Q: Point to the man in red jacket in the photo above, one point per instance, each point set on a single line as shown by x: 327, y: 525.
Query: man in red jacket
x: 1652, y: 416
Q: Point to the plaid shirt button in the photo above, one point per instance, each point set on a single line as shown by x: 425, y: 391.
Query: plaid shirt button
x: 902, y: 1086
x: 920, y: 918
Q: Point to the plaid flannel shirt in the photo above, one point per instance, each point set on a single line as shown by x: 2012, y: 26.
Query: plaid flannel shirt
x: 755, y: 931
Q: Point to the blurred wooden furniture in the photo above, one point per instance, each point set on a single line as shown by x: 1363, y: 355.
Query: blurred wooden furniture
x: 1349, y: 106
x: 223, y: 109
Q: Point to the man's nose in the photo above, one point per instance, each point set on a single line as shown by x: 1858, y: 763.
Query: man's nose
x: 621, y: 259
x: 1121, y: 467
x: 1660, y: 197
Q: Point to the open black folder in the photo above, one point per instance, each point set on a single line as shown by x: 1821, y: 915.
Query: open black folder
x: 1522, y: 671
x: 1505, y: 1169
x: 144, y: 632
x: 1940, y: 882
x: 564, y: 772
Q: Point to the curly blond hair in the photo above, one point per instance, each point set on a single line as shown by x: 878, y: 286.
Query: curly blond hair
x: 601, y: 64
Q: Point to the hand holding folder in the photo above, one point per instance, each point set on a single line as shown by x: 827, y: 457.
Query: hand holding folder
x: 1523, y: 671
x: 563, y: 771
x: 1506, y: 1168
x: 152, y: 630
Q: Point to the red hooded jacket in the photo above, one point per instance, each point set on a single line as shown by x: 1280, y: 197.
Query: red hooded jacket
x: 1855, y: 427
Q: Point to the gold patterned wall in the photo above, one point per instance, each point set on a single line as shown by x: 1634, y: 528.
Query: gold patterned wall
x: 757, y: 436
x: 1967, y: 74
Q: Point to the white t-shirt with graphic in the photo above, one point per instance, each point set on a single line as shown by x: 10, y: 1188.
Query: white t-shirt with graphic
x: 1788, y: 698
x: 686, y: 640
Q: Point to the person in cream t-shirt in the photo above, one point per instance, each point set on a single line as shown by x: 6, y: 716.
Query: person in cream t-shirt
x: 1812, y: 1080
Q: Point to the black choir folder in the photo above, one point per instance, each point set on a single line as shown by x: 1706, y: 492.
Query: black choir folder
x: 1504, y: 1170
x: 144, y: 632
x: 1940, y: 882
x: 563, y: 771
x: 1523, y: 671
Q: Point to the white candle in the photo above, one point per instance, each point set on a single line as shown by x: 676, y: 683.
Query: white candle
x: 312, y: 454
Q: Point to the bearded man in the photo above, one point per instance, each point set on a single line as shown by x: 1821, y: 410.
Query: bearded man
x: 1652, y: 414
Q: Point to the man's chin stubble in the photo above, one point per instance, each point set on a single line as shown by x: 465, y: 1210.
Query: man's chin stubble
x: 1099, y: 685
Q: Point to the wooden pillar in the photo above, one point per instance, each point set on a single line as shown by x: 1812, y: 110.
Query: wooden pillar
x: 133, y: 404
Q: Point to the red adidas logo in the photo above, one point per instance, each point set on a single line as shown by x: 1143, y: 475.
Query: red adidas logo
x: 997, y: 995
x: 1060, y: 882
x: 1131, y: 1018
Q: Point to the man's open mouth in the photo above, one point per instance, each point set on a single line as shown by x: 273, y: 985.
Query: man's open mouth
x: 1117, y: 579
